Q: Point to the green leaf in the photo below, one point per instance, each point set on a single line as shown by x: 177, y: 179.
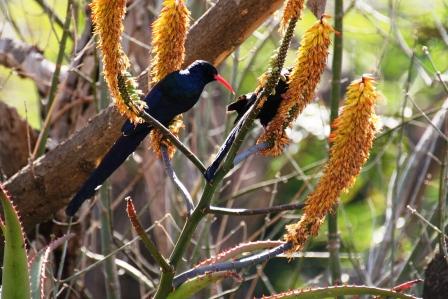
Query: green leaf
x: 192, y: 286
x: 36, y: 274
x: 16, y: 279
x: 38, y: 264
x: 334, y: 291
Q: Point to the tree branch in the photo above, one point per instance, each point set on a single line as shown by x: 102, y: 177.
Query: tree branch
x: 232, y: 265
x: 60, y: 173
x: 29, y: 62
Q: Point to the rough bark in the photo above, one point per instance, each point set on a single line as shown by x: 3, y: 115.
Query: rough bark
x: 436, y: 278
x: 227, y: 25
x: 43, y: 189
x: 13, y: 155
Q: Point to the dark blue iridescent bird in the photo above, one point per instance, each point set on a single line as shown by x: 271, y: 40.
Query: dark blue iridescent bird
x: 177, y: 93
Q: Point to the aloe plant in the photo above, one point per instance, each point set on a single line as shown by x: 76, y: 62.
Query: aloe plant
x: 23, y: 278
x: 16, y: 276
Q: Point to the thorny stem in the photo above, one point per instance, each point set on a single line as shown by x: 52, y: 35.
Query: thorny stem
x: 238, y: 250
x: 210, y: 188
x: 232, y: 265
x: 333, y: 234
x: 211, y: 170
x: 348, y: 290
x: 152, y: 248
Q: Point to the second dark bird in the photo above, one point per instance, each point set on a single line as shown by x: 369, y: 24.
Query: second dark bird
x: 241, y: 106
x: 270, y: 107
x: 177, y: 93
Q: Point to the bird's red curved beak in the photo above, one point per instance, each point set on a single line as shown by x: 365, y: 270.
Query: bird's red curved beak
x: 223, y: 81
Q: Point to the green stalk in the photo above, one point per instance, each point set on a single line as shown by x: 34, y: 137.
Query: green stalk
x: 152, y: 248
x: 39, y: 149
x: 110, y: 269
x: 333, y: 233
x: 442, y: 201
x: 201, y: 209
x: 112, y: 281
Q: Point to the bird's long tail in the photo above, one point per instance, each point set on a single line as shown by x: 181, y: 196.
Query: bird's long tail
x: 118, y: 153
x: 222, y: 152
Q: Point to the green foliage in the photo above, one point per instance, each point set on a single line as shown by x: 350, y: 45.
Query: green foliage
x: 194, y: 285
x: 16, y: 277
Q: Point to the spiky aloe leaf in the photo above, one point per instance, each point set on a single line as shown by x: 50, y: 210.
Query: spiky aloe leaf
x: 38, y: 264
x: 191, y: 287
x: 16, y: 278
x: 334, y: 291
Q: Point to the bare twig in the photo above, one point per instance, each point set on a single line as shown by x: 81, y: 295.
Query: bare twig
x: 248, y: 152
x: 436, y: 70
x: 178, y: 183
x: 52, y: 15
x: 253, y: 212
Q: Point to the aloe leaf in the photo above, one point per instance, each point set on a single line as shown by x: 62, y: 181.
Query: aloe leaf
x: 191, y: 287
x: 334, y: 291
x: 38, y: 265
x: 16, y: 278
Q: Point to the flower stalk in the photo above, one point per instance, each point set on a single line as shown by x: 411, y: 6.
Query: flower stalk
x: 305, y: 75
x: 351, y: 140
x: 168, y: 54
x: 336, y: 67
x: 293, y: 9
x: 107, y: 17
x: 133, y: 218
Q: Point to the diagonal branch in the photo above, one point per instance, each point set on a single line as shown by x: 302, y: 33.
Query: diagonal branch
x: 60, y: 173
x: 232, y: 265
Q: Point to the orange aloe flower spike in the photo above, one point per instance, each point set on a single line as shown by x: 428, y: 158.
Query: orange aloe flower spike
x: 107, y: 17
x: 351, y: 139
x: 168, y: 54
x: 293, y: 9
x: 305, y: 75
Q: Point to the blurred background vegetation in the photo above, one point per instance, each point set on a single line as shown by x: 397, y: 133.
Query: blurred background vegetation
x: 383, y: 38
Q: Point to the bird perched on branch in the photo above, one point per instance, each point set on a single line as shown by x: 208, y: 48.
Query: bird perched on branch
x: 241, y: 106
x: 271, y: 105
x: 177, y: 93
